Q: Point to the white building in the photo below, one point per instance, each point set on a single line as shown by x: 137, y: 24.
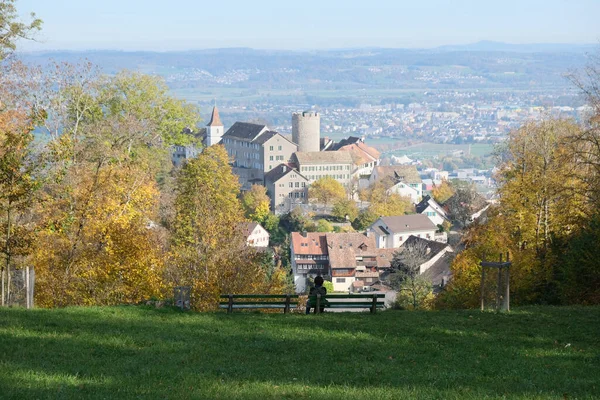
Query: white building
x: 256, y: 235
x: 391, y: 232
x: 432, y: 210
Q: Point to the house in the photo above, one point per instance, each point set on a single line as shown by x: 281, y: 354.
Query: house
x: 391, y: 232
x: 433, y: 251
x: 255, y: 150
x: 352, y: 257
x: 286, y: 187
x: 310, y: 258
x: 179, y: 154
x: 404, y: 190
x: 364, y: 158
x: 432, y: 210
x: 255, y: 234
x: 315, y: 165
x: 342, y: 258
x: 407, y: 174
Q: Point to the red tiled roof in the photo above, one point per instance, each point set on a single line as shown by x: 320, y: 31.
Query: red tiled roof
x: 314, y: 243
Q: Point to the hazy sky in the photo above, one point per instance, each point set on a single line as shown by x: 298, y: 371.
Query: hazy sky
x: 307, y: 24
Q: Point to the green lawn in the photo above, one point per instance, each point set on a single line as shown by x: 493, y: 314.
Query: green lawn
x: 137, y: 352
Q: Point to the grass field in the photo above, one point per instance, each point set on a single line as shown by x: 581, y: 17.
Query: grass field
x: 138, y: 352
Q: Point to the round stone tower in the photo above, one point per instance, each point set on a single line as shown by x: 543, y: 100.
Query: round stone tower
x: 306, y: 131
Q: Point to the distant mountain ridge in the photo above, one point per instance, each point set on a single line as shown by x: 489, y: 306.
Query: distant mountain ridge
x: 489, y: 45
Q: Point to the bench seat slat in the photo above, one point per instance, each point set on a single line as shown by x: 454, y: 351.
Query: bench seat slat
x: 351, y: 296
x: 357, y: 303
x: 259, y: 296
x: 260, y: 303
x: 255, y: 306
x: 352, y: 305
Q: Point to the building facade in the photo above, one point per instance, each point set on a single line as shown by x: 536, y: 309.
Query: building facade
x: 316, y: 165
x: 310, y: 258
x: 286, y: 187
x: 254, y: 150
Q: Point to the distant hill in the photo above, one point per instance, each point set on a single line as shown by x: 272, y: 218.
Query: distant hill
x: 488, y: 45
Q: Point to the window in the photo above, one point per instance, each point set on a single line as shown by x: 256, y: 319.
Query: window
x: 291, y: 195
x: 297, y: 184
x: 296, y: 195
x: 279, y: 148
x: 270, y: 148
x: 340, y: 280
x: 303, y: 184
x: 270, y: 158
x: 291, y: 184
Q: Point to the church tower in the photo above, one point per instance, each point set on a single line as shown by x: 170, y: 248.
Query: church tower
x: 214, y: 129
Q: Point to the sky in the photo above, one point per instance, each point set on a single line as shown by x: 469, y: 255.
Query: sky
x: 160, y: 25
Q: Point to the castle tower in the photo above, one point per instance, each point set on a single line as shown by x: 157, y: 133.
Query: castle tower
x: 214, y: 129
x: 306, y: 131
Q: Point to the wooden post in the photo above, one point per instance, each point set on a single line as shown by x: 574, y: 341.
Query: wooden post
x: 287, y: 304
x: 374, y: 306
x: 2, y: 286
x: 27, y: 294
x: 507, y: 293
x: 230, y: 305
x: 482, y: 286
x: 499, y: 288
x: 318, y: 304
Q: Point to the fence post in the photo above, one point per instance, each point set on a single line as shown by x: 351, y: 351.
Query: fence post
x: 374, y: 306
x: 482, y: 286
x: 27, y: 294
x: 230, y: 305
x: 287, y: 304
x: 318, y: 305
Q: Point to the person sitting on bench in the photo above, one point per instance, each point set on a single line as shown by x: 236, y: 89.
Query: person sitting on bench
x: 317, y: 289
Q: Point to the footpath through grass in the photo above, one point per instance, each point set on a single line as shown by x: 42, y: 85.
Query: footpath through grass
x: 137, y: 352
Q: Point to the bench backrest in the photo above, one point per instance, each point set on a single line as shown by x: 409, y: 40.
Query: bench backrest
x: 256, y: 301
x: 372, y: 301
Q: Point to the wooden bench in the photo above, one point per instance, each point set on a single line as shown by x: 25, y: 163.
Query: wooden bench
x: 257, y: 301
x: 371, y: 301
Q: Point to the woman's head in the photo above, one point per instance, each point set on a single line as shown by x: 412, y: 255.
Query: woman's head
x: 319, y: 281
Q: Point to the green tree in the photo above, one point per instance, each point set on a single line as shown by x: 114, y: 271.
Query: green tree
x: 413, y: 289
x: 345, y: 209
x: 324, y: 226
x: 364, y: 219
x: 326, y: 190
x: 12, y: 29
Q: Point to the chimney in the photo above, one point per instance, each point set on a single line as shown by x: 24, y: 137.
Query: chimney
x: 284, y: 168
x: 304, y: 234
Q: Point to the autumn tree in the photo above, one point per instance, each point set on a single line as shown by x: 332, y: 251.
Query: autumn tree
x: 99, y: 241
x: 12, y: 29
x: 18, y: 181
x: 442, y: 192
x: 383, y: 203
x: 326, y: 190
x: 462, y: 204
x: 256, y: 203
x: 209, y: 252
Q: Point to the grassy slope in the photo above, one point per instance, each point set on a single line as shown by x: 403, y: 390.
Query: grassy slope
x: 135, y: 352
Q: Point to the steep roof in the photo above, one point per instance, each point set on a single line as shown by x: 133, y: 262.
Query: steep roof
x: 323, y: 157
x: 215, y: 120
x: 264, y: 137
x: 362, y: 153
x: 245, y: 131
x: 346, y: 141
x: 428, y: 201
x: 408, y: 223
x: 248, y: 227
x: 314, y: 243
x: 404, y: 173
x: 344, y: 247
x: 433, y: 247
x: 280, y: 171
